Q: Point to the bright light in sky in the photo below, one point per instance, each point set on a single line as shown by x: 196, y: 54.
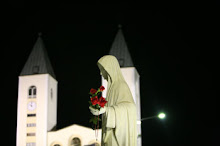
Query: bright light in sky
x: 161, y: 115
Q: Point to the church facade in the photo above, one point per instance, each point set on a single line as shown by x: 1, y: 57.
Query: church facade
x: 37, y: 100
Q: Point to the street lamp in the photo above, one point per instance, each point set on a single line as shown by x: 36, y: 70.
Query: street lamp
x: 160, y: 115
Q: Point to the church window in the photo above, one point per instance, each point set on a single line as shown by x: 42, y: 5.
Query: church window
x: 30, y: 134
x: 31, y: 125
x: 31, y: 115
x: 51, y: 93
x: 56, y: 144
x: 75, y: 142
x: 31, y: 144
x: 35, y: 69
x: 32, y: 92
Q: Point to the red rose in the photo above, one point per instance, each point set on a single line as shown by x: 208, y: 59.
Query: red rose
x: 102, y: 101
x: 94, y: 100
x: 93, y: 91
x: 102, y: 88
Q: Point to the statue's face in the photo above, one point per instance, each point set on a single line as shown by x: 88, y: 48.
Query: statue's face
x: 103, y: 73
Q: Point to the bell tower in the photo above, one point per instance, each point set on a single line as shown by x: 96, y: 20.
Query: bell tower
x: 37, y: 98
x: 120, y: 50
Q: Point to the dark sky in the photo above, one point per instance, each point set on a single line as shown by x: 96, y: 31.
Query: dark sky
x: 173, y: 46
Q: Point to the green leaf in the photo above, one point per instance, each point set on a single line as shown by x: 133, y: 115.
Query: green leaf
x: 91, y: 120
x: 94, y: 122
x: 97, y: 106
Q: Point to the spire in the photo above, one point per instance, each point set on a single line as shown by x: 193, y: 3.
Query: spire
x: 120, y: 50
x: 38, y: 61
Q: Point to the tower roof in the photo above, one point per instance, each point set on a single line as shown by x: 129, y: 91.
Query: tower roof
x: 38, y: 61
x: 120, y: 50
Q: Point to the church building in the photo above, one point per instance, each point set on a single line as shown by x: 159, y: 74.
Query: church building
x: 37, y: 100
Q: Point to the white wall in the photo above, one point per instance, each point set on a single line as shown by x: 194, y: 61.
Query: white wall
x: 52, y: 103
x: 42, y: 82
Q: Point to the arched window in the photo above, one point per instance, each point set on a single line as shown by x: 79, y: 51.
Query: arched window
x: 75, y: 142
x: 32, y: 92
x: 56, y: 144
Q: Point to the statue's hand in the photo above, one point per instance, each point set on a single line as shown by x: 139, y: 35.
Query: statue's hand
x: 102, y: 110
x: 97, y: 112
x: 94, y: 111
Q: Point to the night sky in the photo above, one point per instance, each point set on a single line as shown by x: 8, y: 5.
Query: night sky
x: 173, y: 46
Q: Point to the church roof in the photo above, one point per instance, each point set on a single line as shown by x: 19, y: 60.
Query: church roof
x: 120, y: 50
x: 38, y: 61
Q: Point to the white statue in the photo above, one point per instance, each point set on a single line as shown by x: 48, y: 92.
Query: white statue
x: 119, y: 114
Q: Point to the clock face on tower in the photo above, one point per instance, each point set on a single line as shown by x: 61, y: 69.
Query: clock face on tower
x: 31, y: 105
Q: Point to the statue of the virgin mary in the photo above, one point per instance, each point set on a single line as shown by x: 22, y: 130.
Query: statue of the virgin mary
x: 119, y: 115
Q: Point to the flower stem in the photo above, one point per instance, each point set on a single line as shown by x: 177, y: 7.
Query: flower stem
x: 97, y: 128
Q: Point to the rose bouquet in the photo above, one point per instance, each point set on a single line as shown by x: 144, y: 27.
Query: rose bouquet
x: 96, y: 102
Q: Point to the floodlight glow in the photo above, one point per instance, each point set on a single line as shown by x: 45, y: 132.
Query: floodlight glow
x: 161, y: 116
